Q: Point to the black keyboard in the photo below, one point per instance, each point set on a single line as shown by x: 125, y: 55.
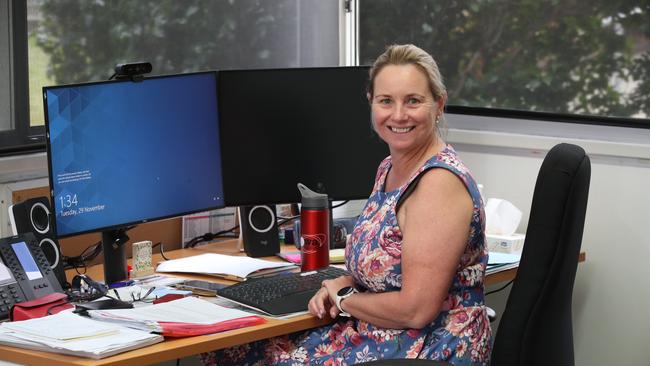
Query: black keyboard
x: 280, y: 294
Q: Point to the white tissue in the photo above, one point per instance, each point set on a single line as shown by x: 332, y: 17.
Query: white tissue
x: 502, y: 217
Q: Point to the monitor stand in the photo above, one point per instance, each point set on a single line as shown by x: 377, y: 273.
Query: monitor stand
x: 113, y: 245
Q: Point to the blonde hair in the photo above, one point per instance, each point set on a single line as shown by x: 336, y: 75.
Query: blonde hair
x: 408, y: 54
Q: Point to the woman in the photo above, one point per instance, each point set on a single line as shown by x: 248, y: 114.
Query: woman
x: 417, y: 254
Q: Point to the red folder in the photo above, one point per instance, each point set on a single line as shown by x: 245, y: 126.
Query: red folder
x: 177, y: 330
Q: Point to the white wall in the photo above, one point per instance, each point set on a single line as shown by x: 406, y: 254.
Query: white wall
x: 611, y: 294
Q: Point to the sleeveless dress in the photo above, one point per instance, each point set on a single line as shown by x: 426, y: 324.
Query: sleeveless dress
x: 461, y: 332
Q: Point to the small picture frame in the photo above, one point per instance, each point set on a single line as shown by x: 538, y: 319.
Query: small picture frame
x: 142, y: 259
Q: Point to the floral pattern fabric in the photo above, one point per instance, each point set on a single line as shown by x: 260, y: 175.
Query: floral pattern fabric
x: 461, y: 332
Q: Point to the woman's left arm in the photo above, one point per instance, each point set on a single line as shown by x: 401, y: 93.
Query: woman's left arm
x: 435, y: 222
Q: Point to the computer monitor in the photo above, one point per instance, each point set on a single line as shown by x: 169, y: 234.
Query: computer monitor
x: 308, y: 125
x: 127, y: 152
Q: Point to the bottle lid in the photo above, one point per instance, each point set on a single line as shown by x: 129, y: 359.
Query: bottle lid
x: 311, y: 199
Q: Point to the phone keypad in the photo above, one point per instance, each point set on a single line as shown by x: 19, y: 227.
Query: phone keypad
x: 9, y: 295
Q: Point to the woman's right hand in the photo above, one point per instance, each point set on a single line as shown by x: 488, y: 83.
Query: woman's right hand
x: 323, y: 301
x: 320, y: 304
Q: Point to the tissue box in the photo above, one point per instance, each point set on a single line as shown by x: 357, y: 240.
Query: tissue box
x: 513, y: 243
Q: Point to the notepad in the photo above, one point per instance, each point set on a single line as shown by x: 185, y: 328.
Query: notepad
x: 235, y: 268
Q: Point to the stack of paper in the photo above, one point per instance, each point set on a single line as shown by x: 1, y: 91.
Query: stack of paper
x: 72, y: 334
x: 498, y: 262
x: 179, y: 318
x: 235, y: 268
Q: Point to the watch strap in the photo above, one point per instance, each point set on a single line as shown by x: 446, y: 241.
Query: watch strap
x: 340, y: 299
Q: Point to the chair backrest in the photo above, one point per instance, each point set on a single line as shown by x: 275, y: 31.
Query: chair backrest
x: 536, y: 327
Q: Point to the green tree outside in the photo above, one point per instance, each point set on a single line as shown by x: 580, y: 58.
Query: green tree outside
x: 556, y: 56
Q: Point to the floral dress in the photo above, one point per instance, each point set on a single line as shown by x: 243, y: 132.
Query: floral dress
x: 460, y: 334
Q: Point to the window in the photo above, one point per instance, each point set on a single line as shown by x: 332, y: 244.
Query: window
x: 5, y: 68
x: 16, y: 134
x: 78, y: 40
x: 563, y: 59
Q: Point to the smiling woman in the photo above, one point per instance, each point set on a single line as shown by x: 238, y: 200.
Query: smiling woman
x: 419, y: 240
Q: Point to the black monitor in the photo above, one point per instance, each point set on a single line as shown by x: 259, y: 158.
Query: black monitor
x: 308, y: 125
x: 127, y: 152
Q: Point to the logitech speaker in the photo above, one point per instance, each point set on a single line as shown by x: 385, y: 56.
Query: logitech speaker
x: 259, y: 230
x: 34, y: 215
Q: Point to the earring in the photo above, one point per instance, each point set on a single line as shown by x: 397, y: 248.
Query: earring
x: 438, y: 119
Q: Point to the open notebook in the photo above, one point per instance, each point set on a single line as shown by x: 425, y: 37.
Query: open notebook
x: 230, y: 267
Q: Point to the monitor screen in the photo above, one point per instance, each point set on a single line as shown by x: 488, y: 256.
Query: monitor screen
x: 308, y: 125
x: 125, y: 152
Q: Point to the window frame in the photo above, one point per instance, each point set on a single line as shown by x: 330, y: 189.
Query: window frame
x: 22, y: 138
x: 582, y: 119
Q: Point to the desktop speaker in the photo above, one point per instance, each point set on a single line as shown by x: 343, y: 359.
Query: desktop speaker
x: 34, y: 215
x: 259, y: 230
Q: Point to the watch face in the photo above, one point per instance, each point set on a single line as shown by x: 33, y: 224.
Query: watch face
x: 345, y: 291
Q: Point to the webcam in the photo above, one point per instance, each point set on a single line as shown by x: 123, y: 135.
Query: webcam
x: 133, y: 71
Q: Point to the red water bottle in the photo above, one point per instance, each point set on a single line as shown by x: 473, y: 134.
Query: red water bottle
x: 314, y: 230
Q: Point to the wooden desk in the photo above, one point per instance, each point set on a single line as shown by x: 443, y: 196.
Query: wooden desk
x: 178, y: 348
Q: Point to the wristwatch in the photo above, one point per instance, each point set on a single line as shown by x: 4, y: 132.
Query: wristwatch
x: 344, y: 293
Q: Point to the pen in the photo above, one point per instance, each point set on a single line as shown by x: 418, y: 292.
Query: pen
x: 120, y: 284
x: 148, y: 292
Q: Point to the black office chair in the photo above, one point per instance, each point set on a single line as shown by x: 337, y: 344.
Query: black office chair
x: 536, y: 327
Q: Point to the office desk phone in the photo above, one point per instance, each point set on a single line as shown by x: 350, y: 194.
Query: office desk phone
x: 25, y: 273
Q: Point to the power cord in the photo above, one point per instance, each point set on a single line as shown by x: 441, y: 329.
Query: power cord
x: 284, y: 220
x: 162, y: 250
x: 210, y: 236
x: 340, y: 204
x: 91, y: 252
x: 80, y: 261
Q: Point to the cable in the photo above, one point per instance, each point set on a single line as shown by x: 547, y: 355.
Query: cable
x: 223, y: 233
x: 162, y: 250
x: 284, y: 220
x: 340, y: 204
x: 88, y: 254
x: 209, y: 236
x: 500, y: 288
x: 91, y: 252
